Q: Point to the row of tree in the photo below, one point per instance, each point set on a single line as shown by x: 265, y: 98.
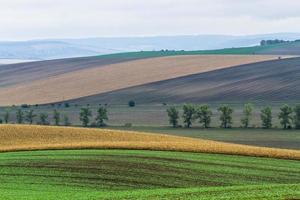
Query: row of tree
x: 43, y: 118
x: 29, y: 117
x: 289, y: 117
x: 271, y: 42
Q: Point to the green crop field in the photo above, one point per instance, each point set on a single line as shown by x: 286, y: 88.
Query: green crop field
x: 235, y: 51
x: 128, y: 174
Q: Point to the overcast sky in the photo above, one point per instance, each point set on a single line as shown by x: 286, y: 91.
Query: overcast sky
x: 33, y: 19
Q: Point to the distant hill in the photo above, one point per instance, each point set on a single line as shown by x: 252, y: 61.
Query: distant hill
x: 65, y: 48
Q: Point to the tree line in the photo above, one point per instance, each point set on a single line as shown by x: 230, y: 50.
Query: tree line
x: 85, y: 115
x: 289, y: 116
x: 271, y: 42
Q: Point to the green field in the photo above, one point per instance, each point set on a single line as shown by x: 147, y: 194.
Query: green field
x: 121, y: 174
x: 236, y: 51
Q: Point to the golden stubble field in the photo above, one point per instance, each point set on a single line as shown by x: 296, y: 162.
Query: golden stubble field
x: 118, y: 76
x: 26, y: 137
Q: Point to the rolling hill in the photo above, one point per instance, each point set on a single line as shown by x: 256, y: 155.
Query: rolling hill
x: 58, y: 80
x: 31, y: 137
x: 65, y: 48
x: 156, y: 77
x: 276, y: 80
x: 81, y: 163
x: 144, y: 175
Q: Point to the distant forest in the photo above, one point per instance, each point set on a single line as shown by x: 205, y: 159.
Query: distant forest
x: 276, y: 41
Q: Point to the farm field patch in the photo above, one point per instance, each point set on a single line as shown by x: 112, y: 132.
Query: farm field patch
x: 127, y: 174
x: 26, y: 137
x: 60, y: 86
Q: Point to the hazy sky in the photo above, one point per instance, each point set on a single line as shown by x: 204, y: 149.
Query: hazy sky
x: 31, y: 19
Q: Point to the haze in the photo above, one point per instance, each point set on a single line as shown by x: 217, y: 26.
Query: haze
x: 36, y: 19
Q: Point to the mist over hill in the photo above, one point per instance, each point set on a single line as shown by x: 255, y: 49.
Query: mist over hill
x: 65, y: 48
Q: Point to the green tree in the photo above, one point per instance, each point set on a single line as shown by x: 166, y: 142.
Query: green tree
x: 101, y: 116
x: 43, y: 119
x: 204, y: 115
x: 226, y: 116
x: 296, y: 118
x: 66, y: 120
x: 266, y: 117
x: 188, y: 114
x: 85, y: 114
x: 56, y: 117
x: 131, y: 103
x: 285, y: 116
x: 6, y: 117
x: 29, y: 116
x: 247, y: 112
x: 173, y: 115
x: 20, y: 116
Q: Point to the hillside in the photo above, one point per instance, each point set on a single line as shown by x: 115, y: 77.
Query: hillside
x: 82, y: 163
x: 58, y: 80
x: 26, y: 72
x: 66, y: 48
x: 144, y: 175
x: 26, y: 137
x: 277, y: 80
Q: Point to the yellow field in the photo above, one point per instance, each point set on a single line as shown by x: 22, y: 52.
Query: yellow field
x: 25, y: 137
x: 118, y: 76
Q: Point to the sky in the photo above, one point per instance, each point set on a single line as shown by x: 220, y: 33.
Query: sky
x: 38, y: 19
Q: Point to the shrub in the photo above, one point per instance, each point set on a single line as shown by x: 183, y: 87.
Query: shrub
x: 56, y: 117
x: 247, y: 115
x: 20, y: 116
x: 44, y: 119
x: 93, y: 125
x: 285, y: 116
x: 173, y: 116
x: 296, y: 118
x: 25, y: 106
x: 266, y: 117
x: 101, y: 116
x: 226, y: 116
x: 85, y: 114
x: 6, y: 117
x: 29, y: 116
x: 204, y: 115
x: 131, y: 103
x: 128, y: 125
x: 188, y: 115
x: 66, y: 120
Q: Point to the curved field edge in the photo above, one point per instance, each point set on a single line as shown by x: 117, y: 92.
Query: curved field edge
x: 131, y: 174
x: 106, y: 78
x: 32, y: 137
x: 262, y: 82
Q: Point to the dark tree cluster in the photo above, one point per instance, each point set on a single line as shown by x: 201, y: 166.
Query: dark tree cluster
x: 271, y: 42
x: 289, y: 117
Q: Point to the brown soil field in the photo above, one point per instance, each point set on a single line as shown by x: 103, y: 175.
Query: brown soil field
x: 265, y: 82
x: 97, y: 80
x: 25, y: 137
